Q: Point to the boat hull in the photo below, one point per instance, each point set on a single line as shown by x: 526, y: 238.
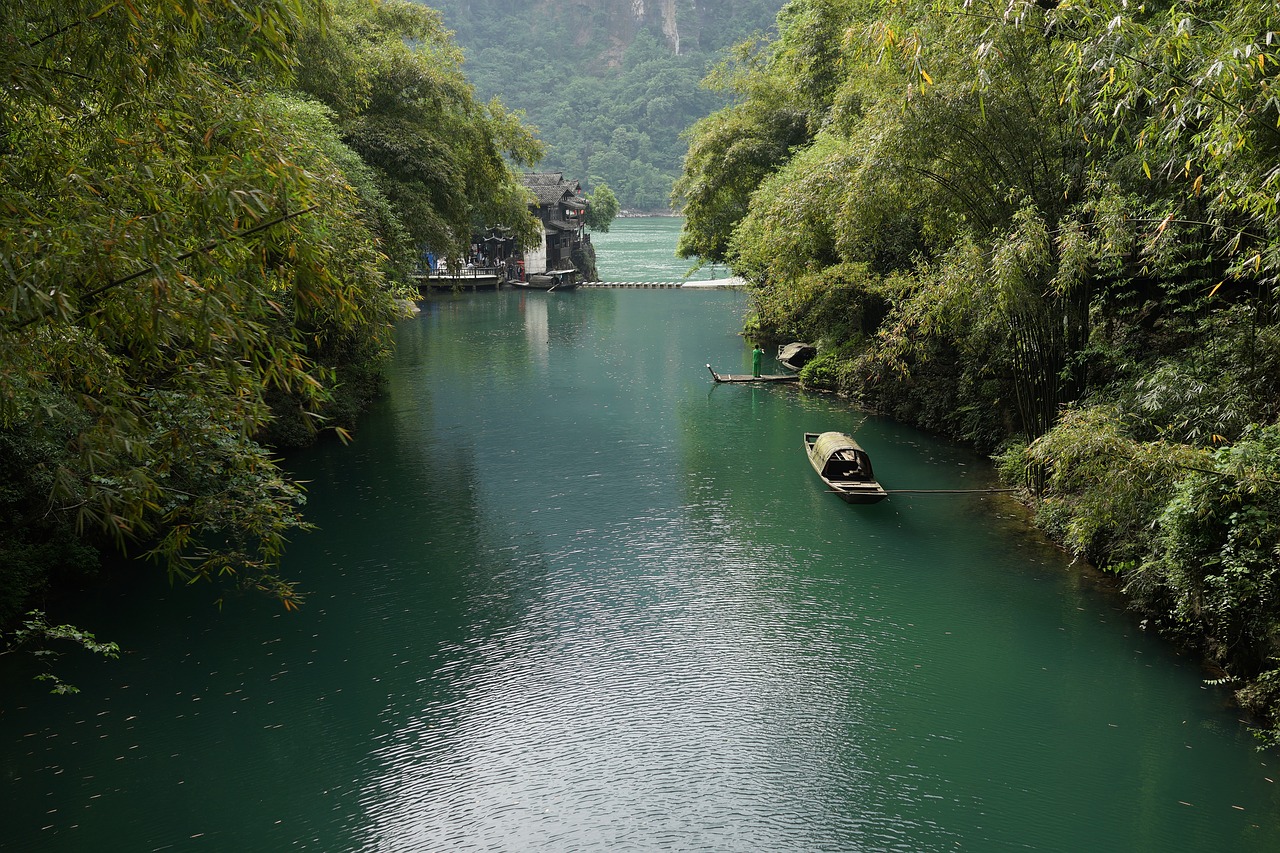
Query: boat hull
x: 542, y: 285
x: 735, y: 377
x: 868, y: 496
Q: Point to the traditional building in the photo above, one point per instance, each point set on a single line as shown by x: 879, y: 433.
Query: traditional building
x: 565, y: 249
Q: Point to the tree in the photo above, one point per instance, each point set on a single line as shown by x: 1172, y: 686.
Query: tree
x: 614, y: 69
x: 393, y: 80
x: 781, y: 91
x: 1051, y: 227
x: 156, y: 234
x: 602, y: 207
x: 194, y: 254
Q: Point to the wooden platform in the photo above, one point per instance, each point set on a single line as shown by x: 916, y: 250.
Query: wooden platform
x: 463, y: 281
x: 740, y: 377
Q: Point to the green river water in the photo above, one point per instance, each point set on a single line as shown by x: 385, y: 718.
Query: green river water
x: 568, y: 595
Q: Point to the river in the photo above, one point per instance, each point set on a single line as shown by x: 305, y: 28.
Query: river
x: 568, y: 595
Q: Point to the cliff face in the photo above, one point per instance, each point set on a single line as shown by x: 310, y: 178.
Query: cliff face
x: 664, y: 11
x: 673, y: 20
x: 683, y: 23
x: 611, y: 25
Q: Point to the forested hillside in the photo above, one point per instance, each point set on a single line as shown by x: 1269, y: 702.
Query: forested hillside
x: 610, y: 85
x: 1049, y: 229
x: 208, y: 211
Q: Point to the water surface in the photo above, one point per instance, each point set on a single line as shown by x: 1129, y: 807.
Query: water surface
x: 643, y: 248
x: 568, y: 595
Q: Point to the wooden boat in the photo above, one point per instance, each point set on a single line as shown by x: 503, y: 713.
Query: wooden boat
x: 740, y: 377
x: 844, y: 466
x: 550, y: 280
x: 796, y: 355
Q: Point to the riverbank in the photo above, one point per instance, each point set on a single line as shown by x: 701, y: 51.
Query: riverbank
x: 1161, y: 520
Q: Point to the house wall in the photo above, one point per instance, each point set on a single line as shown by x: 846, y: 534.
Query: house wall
x: 535, y: 259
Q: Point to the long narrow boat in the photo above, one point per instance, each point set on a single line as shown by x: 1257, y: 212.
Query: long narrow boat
x: 740, y: 377
x: 565, y: 279
x: 844, y: 466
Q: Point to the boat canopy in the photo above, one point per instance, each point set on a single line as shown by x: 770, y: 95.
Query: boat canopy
x: 841, y: 458
x: 796, y: 354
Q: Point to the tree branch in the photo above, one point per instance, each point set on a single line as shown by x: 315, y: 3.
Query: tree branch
x: 155, y: 268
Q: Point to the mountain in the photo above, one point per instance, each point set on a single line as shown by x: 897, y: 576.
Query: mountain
x: 609, y: 84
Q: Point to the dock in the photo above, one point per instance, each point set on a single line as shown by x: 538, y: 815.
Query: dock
x: 488, y: 278
x: 745, y: 377
x: 733, y: 283
x: 465, y: 280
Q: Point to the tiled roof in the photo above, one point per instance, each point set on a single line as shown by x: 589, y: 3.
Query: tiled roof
x: 549, y: 187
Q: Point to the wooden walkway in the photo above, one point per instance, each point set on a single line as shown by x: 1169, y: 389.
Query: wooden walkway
x: 489, y: 281
x: 467, y: 280
x: 630, y: 284
x: 713, y: 284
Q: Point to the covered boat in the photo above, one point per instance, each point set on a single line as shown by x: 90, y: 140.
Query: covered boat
x: 844, y: 466
x: 796, y: 354
x: 562, y: 279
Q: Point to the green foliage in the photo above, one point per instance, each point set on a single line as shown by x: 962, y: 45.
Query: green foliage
x: 732, y: 150
x: 1261, y: 697
x: 157, y: 241
x: 602, y: 207
x: 833, y: 368
x: 1102, y: 489
x: 609, y: 91
x: 31, y: 543
x: 1217, y: 553
x: 393, y: 79
x: 190, y: 250
x: 839, y: 304
x: 1191, y: 92
x: 33, y: 635
x: 1063, y: 222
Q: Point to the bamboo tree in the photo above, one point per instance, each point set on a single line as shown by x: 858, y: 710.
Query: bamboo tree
x: 173, y: 251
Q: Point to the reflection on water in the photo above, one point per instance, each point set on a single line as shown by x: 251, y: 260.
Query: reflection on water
x: 651, y: 702
x: 568, y: 595
x: 536, y: 329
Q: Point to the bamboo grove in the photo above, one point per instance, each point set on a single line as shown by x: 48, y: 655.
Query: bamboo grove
x: 208, y: 211
x: 1049, y: 229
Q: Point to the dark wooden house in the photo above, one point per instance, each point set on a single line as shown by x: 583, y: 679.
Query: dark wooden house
x: 561, y: 209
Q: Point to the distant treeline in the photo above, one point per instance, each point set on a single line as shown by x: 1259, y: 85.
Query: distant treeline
x: 1051, y: 230
x: 606, y: 90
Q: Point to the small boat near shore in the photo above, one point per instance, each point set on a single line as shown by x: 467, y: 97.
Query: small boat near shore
x: 746, y: 377
x: 844, y: 466
x: 796, y: 355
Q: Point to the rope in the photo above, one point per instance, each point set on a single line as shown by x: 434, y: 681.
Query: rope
x: 945, y: 491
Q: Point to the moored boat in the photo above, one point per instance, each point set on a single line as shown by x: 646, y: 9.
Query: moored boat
x: 796, y: 355
x: 844, y: 466
x: 739, y: 377
x: 564, y: 279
